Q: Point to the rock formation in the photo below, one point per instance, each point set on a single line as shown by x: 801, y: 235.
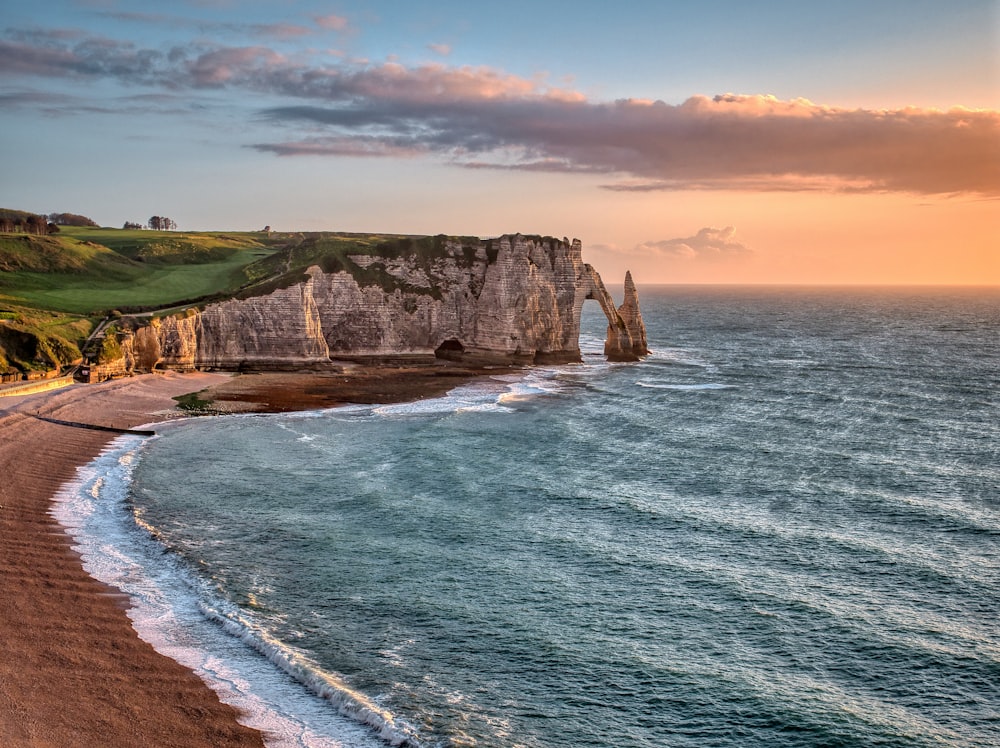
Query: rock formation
x: 515, y: 299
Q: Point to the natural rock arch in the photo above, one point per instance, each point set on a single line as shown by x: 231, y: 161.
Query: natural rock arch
x: 626, y: 339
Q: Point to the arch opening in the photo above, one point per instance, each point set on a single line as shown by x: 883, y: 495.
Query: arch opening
x: 593, y: 329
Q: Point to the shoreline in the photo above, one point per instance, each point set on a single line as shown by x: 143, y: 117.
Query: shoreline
x: 75, y: 671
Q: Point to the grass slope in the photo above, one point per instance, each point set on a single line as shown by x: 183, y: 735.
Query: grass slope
x: 333, y: 253
x: 88, y: 270
x: 54, y: 289
x: 36, y: 340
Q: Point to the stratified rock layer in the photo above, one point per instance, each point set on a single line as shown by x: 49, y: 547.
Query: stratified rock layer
x: 514, y: 299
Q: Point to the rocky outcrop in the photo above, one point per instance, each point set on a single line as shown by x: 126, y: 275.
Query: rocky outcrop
x: 626, y: 339
x: 515, y: 299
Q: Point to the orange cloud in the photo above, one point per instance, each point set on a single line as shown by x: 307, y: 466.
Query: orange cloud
x: 709, y: 244
x: 483, y: 119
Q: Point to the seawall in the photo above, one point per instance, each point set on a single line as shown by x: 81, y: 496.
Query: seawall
x: 30, y: 388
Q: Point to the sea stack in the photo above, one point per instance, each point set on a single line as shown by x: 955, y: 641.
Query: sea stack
x: 627, y: 335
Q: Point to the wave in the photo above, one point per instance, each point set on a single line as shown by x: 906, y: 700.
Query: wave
x: 478, y: 396
x: 683, y: 387
x: 176, y: 612
x: 348, y: 701
x: 495, y: 395
x: 536, y: 383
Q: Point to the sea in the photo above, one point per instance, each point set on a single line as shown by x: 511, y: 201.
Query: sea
x: 782, y: 528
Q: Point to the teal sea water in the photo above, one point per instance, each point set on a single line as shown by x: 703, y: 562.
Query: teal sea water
x: 780, y: 529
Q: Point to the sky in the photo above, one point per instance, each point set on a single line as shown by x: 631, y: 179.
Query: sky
x: 855, y: 142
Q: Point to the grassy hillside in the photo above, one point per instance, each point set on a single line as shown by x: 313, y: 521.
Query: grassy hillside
x: 89, y: 270
x: 54, y: 289
x: 332, y: 253
x: 35, y: 340
x: 327, y: 250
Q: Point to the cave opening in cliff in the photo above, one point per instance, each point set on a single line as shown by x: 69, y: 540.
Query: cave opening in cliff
x: 450, y: 350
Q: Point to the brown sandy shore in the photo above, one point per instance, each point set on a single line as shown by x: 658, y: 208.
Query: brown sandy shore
x: 73, y: 672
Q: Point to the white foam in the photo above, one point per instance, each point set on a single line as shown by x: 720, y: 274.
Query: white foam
x: 484, y: 396
x: 178, y: 614
x: 468, y: 397
x: 685, y: 387
x: 525, y: 390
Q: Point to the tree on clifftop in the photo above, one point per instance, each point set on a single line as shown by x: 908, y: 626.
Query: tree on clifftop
x: 161, y: 223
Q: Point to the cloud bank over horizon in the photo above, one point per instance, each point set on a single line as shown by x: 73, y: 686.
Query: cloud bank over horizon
x: 480, y: 117
x: 709, y: 244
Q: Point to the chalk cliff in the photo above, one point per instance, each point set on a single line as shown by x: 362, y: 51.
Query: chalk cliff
x: 514, y: 299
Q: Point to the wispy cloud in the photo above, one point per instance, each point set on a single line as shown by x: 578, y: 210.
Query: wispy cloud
x: 332, y: 22
x: 219, y: 66
x: 709, y: 244
x: 355, y: 147
x: 440, y: 49
x: 66, y: 105
x: 485, y: 118
x: 32, y: 99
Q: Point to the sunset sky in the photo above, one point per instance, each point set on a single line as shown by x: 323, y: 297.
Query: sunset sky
x: 712, y: 142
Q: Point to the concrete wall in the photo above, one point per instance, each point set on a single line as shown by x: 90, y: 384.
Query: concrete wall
x: 29, y: 388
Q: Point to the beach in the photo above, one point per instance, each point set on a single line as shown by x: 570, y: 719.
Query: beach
x: 74, y: 672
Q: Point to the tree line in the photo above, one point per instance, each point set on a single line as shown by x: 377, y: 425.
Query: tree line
x: 22, y: 222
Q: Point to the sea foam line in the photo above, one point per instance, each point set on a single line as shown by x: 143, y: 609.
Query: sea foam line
x: 348, y: 701
x: 168, y: 609
x: 685, y: 387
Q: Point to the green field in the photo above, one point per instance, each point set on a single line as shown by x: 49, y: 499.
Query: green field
x: 37, y: 340
x: 89, y: 270
x: 54, y: 289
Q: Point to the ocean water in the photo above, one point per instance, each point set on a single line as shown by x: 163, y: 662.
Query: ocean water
x: 780, y: 529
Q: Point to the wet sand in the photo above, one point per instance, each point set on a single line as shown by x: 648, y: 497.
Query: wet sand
x: 73, y: 670
x: 279, y: 391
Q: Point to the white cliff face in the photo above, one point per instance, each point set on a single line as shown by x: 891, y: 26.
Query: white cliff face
x: 171, y: 342
x: 514, y: 299
x: 527, y: 310
x: 282, y: 328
